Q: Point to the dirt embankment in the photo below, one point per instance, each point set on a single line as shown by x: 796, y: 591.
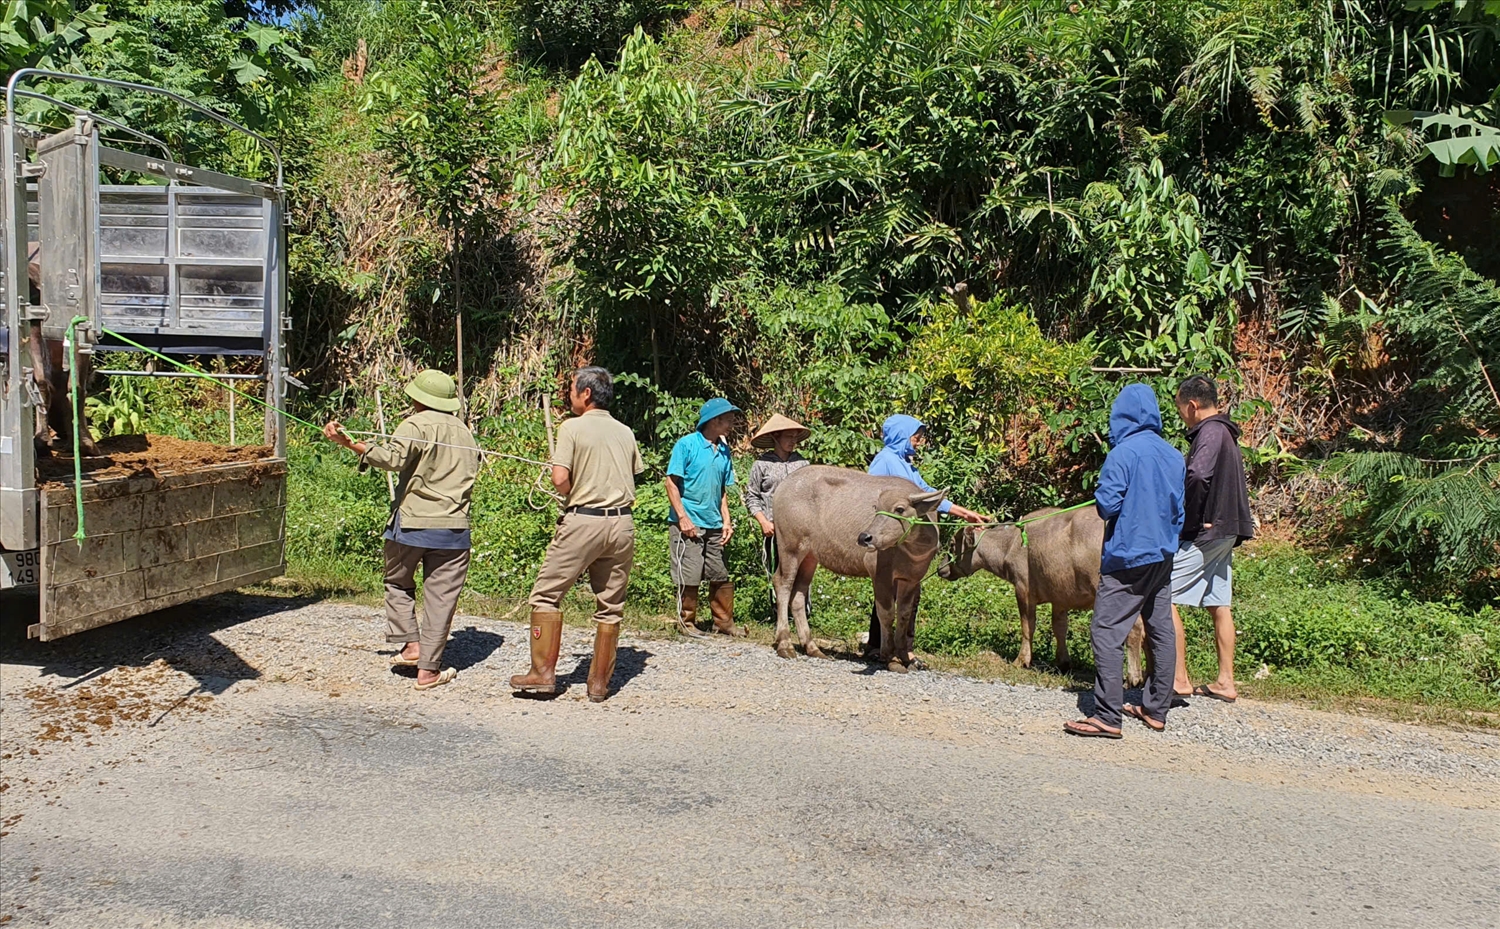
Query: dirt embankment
x: 145, y: 456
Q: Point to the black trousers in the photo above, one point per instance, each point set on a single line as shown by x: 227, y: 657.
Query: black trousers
x: 1144, y: 591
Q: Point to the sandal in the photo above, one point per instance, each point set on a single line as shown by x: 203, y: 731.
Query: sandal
x: 1202, y: 690
x: 1092, y: 729
x: 444, y: 677
x: 399, y: 660
x: 1155, y: 725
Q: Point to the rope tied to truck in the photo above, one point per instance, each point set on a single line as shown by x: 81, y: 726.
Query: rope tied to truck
x: 78, y: 534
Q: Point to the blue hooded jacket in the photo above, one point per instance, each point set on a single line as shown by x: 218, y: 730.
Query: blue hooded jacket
x: 1140, y: 496
x: 895, y: 459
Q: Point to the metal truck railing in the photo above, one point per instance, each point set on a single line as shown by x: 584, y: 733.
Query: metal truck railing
x: 188, y: 261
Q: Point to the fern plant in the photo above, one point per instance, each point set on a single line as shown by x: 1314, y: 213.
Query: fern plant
x: 1439, y: 518
x: 1439, y: 515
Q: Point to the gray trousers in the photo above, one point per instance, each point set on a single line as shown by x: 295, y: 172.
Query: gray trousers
x: 1145, y: 591
x: 443, y: 574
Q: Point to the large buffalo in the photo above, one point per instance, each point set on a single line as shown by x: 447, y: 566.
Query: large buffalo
x: 1056, y: 561
x: 833, y: 517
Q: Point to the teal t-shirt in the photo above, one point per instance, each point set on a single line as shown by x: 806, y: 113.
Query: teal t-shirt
x: 705, y: 470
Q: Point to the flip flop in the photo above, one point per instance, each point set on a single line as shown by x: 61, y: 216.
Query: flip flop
x: 1202, y: 691
x: 399, y: 661
x: 444, y: 677
x: 1155, y: 725
x: 1089, y: 729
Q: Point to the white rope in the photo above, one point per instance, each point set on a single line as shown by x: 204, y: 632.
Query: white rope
x: 540, y: 485
x: 469, y: 448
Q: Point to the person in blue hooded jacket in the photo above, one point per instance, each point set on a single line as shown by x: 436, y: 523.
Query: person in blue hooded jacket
x: 1140, y: 499
x: 902, y: 436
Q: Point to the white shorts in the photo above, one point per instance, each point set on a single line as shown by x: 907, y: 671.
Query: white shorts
x: 1203, y: 573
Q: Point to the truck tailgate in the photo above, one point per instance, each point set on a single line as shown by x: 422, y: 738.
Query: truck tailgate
x: 157, y: 541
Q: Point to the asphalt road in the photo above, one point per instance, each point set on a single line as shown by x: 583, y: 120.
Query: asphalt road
x: 256, y: 764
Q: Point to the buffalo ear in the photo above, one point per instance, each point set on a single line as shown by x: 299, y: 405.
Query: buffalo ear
x: 925, y: 503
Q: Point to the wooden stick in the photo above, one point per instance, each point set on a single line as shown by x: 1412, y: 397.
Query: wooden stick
x: 390, y: 479
x: 547, y: 418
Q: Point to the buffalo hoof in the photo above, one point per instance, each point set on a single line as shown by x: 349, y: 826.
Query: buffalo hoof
x: 898, y: 666
x: 785, y: 650
x: 814, y: 652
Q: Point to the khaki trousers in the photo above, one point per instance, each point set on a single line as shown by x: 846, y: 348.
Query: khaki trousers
x: 443, y: 574
x: 604, y: 546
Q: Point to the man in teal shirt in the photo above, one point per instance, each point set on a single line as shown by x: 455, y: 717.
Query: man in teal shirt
x: 698, y: 476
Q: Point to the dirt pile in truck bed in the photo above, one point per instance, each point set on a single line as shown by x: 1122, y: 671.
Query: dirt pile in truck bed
x: 145, y: 455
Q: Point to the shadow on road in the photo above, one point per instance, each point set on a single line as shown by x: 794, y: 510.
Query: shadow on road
x: 1132, y: 695
x: 182, y: 636
x: 629, y: 663
x: 470, y: 646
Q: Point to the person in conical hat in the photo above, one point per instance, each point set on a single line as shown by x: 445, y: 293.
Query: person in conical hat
x: 780, y: 436
x: 437, y: 459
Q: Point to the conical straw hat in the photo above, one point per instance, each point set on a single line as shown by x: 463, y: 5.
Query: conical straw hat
x: 766, y: 436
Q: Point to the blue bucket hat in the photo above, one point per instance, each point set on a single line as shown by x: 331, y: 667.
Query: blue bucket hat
x: 718, y: 406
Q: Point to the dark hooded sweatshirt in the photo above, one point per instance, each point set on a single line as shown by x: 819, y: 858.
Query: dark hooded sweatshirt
x: 1215, y: 488
x: 1140, y: 486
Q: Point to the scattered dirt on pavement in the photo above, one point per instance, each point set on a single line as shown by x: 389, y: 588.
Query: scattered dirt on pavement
x: 146, y: 456
x: 125, y: 695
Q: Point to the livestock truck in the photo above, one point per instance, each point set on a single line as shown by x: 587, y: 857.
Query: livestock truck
x: 146, y: 249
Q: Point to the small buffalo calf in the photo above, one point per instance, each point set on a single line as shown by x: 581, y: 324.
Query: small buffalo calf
x: 1059, y: 564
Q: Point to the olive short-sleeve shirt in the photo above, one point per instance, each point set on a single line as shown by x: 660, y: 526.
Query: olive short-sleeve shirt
x: 602, y: 458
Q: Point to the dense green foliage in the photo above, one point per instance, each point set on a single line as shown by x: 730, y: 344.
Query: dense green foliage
x: 839, y: 209
x: 208, y: 52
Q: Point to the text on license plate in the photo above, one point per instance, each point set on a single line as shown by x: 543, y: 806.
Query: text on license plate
x: 22, y: 568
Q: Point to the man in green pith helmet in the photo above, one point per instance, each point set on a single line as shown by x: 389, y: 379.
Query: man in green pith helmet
x: 437, y: 459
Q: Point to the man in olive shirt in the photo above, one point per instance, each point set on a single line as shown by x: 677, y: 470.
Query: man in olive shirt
x: 438, y: 460
x: 594, y: 467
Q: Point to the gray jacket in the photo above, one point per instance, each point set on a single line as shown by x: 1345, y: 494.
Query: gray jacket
x: 766, y: 474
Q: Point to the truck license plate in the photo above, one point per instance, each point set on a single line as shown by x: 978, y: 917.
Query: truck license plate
x: 22, y: 569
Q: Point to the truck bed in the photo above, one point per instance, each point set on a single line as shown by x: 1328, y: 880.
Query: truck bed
x: 160, y: 531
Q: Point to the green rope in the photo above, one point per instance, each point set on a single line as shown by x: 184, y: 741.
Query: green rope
x: 911, y: 521
x: 189, y: 369
x: 1021, y: 523
x: 78, y: 535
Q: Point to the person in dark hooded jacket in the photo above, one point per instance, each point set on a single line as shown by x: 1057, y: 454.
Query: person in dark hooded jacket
x: 1140, y: 499
x: 1218, y: 519
x: 901, y: 436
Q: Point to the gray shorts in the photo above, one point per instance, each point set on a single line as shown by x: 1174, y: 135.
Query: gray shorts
x: 697, y: 560
x: 1203, y: 573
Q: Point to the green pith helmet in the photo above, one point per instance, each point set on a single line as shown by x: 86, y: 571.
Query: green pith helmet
x: 434, y: 390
